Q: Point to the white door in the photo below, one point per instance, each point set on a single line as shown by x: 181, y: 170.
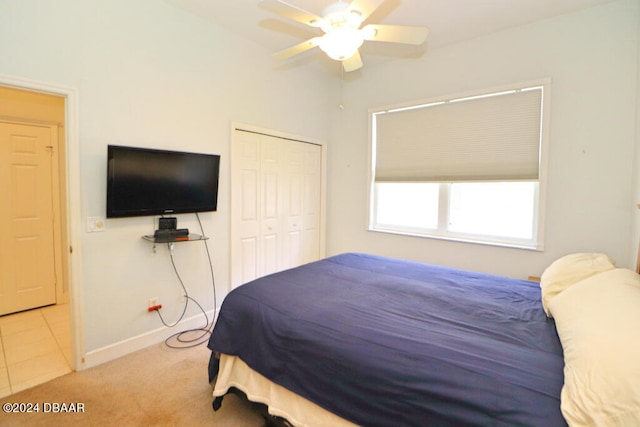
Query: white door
x: 291, y: 176
x: 245, y: 203
x: 275, y: 204
x: 270, y: 206
x: 311, y: 202
x: 27, y: 264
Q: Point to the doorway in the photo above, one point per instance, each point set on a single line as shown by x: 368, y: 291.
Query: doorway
x: 33, y: 156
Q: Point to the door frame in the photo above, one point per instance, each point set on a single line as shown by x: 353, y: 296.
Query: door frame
x: 73, y: 206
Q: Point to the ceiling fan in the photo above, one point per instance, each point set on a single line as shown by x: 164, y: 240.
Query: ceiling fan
x: 341, y: 23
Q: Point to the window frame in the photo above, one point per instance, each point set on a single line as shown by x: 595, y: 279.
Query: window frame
x: 536, y: 243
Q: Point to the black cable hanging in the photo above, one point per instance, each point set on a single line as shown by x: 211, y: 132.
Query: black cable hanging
x: 205, y: 331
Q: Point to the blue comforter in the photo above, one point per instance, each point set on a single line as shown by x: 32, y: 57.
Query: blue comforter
x: 385, y: 342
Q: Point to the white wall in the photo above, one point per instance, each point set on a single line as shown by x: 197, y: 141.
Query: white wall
x: 635, y: 235
x: 151, y: 75
x: 591, y: 58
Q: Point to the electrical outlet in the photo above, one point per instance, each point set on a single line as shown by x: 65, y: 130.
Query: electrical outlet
x: 153, y: 302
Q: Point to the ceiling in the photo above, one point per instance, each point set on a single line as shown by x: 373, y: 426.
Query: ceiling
x: 449, y: 21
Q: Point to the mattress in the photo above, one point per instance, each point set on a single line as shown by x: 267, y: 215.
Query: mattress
x: 298, y: 411
x: 380, y: 341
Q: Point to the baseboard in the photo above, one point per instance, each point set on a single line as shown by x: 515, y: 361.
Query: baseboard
x: 122, y: 348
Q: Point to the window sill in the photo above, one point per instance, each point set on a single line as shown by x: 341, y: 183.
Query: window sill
x: 462, y: 239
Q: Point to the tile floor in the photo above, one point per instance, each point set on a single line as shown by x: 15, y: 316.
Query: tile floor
x: 35, y: 347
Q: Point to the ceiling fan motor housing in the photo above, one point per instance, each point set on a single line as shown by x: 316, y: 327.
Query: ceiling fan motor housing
x: 337, y: 15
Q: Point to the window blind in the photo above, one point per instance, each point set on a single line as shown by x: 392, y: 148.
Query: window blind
x: 489, y: 137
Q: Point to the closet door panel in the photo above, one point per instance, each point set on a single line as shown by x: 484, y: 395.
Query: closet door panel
x: 245, y: 203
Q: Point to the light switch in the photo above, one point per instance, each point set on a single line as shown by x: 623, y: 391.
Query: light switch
x: 95, y: 223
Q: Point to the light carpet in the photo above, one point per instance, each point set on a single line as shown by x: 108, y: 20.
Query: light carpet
x: 157, y: 386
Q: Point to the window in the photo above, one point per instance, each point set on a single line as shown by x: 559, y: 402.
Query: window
x: 467, y: 168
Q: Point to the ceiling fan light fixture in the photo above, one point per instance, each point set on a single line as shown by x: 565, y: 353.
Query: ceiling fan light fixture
x: 354, y: 19
x: 341, y: 43
x: 341, y: 22
x: 336, y: 15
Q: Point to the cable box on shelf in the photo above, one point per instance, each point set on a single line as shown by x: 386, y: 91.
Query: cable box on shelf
x: 180, y: 232
x: 169, y: 235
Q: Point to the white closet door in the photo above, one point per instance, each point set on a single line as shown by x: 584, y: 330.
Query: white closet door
x: 311, y: 203
x: 292, y: 173
x: 275, y: 204
x: 270, y: 207
x: 245, y: 206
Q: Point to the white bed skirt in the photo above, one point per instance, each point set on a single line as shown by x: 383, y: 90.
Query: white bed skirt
x: 297, y: 410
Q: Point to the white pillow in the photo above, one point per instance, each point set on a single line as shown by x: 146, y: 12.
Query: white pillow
x: 568, y: 270
x: 598, y: 322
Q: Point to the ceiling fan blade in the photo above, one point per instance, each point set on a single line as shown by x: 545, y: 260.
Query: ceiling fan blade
x: 364, y: 7
x: 292, y: 12
x: 395, y: 33
x: 353, y: 63
x: 297, y: 49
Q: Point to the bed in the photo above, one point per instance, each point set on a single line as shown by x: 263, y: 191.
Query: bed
x: 358, y: 339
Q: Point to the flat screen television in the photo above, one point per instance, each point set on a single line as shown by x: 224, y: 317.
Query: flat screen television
x: 143, y: 181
